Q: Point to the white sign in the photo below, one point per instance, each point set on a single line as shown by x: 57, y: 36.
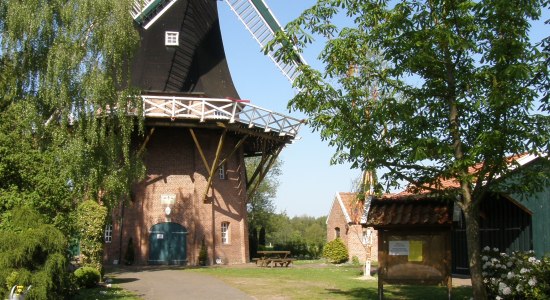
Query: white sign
x: 399, y: 248
x: 168, y: 199
x: 160, y: 236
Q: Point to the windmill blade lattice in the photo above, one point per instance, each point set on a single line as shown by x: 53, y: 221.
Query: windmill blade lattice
x: 260, y: 22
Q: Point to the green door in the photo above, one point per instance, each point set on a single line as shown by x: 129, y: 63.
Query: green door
x: 167, y: 244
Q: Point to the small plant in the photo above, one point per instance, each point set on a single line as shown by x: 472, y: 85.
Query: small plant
x: 203, y: 254
x: 335, y: 251
x: 519, y: 275
x: 87, y: 277
x: 355, y: 260
x: 130, y: 255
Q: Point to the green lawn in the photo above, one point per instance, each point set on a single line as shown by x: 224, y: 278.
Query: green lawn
x: 319, y: 281
x: 105, y: 293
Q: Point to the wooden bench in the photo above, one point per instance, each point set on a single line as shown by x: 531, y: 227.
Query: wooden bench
x: 273, y: 259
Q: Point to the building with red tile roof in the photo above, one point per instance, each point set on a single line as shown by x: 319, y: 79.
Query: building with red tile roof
x: 347, y: 221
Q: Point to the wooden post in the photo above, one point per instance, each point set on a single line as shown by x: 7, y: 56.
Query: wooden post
x: 214, y: 164
x: 237, y: 146
x: 200, y: 150
x: 146, y: 141
x: 264, y: 172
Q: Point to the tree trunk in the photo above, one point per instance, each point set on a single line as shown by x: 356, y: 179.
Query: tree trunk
x: 471, y: 216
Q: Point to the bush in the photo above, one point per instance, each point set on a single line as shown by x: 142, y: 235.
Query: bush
x: 203, y: 254
x: 355, y: 260
x: 335, y: 251
x: 130, y: 255
x: 519, y: 275
x: 87, y: 277
x: 91, y: 225
x: 33, y: 253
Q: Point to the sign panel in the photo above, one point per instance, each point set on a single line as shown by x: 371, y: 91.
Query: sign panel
x: 168, y: 199
x: 415, y: 251
x: 399, y: 248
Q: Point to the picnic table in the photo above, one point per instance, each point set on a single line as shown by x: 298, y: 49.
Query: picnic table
x: 274, y: 259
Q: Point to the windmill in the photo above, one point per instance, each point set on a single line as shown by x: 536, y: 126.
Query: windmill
x: 197, y: 133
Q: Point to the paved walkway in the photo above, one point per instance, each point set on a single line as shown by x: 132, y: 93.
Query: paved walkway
x: 165, y: 283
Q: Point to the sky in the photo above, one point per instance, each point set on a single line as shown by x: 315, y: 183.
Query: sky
x: 308, y: 183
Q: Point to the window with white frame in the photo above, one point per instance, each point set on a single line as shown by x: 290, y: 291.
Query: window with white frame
x: 108, y: 233
x: 225, y: 232
x: 221, y: 171
x: 171, y: 38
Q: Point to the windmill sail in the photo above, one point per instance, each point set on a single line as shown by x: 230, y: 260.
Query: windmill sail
x: 260, y: 22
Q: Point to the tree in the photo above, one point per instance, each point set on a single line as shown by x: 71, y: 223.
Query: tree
x: 62, y: 139
x: 260, y: 206
x: 428, y: 91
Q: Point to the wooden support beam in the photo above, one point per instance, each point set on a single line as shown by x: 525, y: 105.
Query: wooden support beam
x: 264, y: 172
x: 237, y: 146
x: 264, y: 159
x: 214, y: 164
x: 200, y: 150
x: 145, y: 142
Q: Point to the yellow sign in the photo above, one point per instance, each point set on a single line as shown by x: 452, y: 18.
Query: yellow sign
x: 415, y: 250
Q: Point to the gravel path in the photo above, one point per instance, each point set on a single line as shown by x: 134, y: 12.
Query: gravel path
x: 173, y: 283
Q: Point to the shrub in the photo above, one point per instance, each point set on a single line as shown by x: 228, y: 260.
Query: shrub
x: 355, y: 260
x: 203, y: 254
x: 32, y: 252
x: 519, y: 275
x: 335, y: 251
x: 87, y: 277
x: 130, y: 255
x: 91, y: 225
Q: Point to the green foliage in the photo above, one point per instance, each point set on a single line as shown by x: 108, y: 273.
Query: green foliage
x: 32, y: 252
x: 304, y: 236
x: 203, y: 254
x: 355, y: 260
x: 91, y: 226
x: 335, y: 251
x: 61, y: 66
x: 87, y: 277
x: 130, y: 254
x: 260, y: 206
x: 426, y: 90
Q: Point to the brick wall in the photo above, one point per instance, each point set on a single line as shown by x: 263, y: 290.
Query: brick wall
x: 175, y: 167
x: 336, y: 219
x: 351, y: 234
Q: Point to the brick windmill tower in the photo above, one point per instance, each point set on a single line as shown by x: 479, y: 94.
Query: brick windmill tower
x: 198, y: 132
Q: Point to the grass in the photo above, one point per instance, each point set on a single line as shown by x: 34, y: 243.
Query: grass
x: 105, y: 293
x: 308, y: 280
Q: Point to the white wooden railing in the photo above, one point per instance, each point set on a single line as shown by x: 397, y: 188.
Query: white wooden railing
x: 142, y: 8
x: 233, y: 111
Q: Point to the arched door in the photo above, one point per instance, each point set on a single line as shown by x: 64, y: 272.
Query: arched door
x: 167, y: 244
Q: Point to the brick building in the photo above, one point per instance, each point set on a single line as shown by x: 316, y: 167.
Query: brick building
x: 197, y: 135
x: 346, y: 220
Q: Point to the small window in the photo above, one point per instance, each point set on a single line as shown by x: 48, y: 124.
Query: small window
x: 171, y: 38
x: 221, y: 171
x: 225, y: 232
x: 337, y: 232
x: 108, y: 233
